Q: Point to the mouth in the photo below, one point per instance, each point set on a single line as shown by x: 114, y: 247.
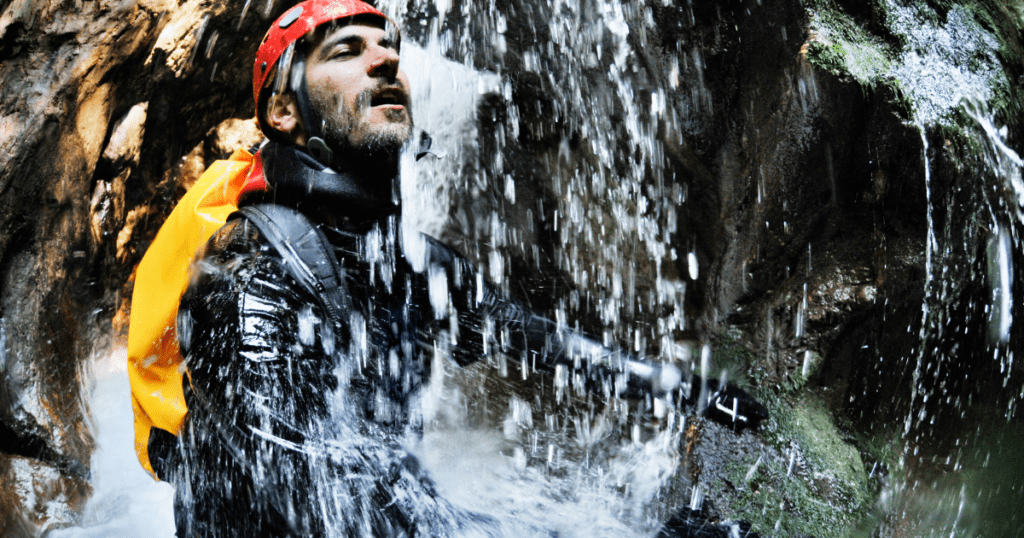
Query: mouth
x: 391, y: 97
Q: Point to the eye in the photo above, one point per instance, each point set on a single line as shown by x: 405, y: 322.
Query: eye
x: 344, y: 51
x: 390, y: 43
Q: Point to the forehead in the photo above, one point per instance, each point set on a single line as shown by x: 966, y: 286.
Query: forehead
x: 368, y: 28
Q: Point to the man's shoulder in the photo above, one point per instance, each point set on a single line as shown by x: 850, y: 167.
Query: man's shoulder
x: 234, y: 238
x: 234, y: 254
x: 240, y: 236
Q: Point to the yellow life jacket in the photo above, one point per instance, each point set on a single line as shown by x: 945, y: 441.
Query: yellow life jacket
x: 155, y: 366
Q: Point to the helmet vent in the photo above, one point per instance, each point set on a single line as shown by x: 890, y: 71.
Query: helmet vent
x: 290, y: 17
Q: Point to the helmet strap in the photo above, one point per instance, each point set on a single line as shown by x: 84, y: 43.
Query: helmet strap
x: 310, y: 119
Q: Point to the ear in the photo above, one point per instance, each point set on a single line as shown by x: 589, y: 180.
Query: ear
x: 283, y: 115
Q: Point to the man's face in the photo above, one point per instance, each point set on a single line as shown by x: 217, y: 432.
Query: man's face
x: 363, y: 97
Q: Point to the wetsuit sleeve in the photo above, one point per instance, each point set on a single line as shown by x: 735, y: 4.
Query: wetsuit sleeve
x: 541, y: 344
x: 488, y: 322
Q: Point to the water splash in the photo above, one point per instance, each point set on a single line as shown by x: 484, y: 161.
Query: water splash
x: 973, y: 234
x: 613, y: 210
x: 126, y: 502
x: 943, y: 63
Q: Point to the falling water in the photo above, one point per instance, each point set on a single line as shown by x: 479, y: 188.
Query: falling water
x: 964, y: 387
x: 126, y: 502
x: 613, y: 208
x: 612, y: 212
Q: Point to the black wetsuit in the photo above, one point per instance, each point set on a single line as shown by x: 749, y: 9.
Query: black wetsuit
x: 296, y: 420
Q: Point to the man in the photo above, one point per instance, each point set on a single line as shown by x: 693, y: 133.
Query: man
x: 298, y: 400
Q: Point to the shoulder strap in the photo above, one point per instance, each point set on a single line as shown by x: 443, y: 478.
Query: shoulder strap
x: 308, y: 256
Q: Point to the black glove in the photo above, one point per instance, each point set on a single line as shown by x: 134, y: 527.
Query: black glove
x: 731, y: 406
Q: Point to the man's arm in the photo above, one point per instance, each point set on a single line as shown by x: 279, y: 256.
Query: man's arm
x: 256, y: 389
x: 487, y: 321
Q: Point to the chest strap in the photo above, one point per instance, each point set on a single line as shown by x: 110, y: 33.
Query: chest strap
x: 308, y: 256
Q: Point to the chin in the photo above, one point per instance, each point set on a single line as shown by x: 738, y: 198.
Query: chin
x: 390, y: 137
x: 372, y: 140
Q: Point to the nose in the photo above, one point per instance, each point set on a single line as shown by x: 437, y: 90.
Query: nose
x: 383, y: 62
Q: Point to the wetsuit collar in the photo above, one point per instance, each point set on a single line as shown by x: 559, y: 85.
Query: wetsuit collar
x: 299, y: 180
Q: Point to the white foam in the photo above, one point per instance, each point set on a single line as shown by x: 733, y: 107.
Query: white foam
x: 126, y: 502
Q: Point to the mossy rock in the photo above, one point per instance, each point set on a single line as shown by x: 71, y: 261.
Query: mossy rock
x: 924, y: 57
x: 824, y: 445
x: 729, y: 354
x: 818, y: 487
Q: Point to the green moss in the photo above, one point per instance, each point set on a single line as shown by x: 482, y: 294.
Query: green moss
x: 880, y: 450
x: 1006, y: 19
x: 831, y: 58
x: 891, y: 90
x: 792, y: 382
x: 844, y: 46
x: 778, y: 504
x: 728, y: 353
x: 867, y: 42
x: 826, y: 449
x: 778, y: 428
x: 1009, y: 101
x: 960, y: 130
x: 824, y: 499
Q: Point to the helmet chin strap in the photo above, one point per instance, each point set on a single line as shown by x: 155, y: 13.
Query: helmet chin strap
x: 315, y: 143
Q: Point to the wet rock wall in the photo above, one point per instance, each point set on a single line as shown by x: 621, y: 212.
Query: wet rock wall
x: 107, y: 111
x: 817, y: 194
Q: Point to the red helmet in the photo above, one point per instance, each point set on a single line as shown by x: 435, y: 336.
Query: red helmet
x: 295, y: 23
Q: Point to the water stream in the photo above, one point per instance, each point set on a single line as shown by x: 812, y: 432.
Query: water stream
x: 126, y: 502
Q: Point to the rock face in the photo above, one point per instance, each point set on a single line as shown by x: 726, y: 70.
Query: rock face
x: 98, y: 106
x: 777, y: 181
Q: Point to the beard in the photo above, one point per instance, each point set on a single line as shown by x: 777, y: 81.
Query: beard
x: 358, y: 140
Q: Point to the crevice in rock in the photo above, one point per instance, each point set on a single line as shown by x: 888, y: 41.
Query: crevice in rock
x: 19, y: 442
x: 10, y: 42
